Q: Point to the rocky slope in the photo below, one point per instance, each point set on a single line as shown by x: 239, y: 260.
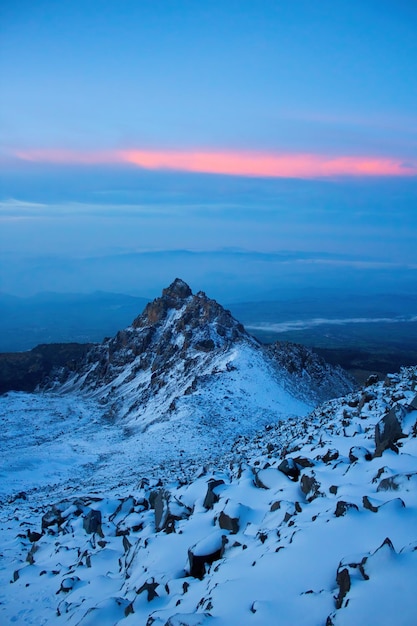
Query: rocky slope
x: 312, y: 522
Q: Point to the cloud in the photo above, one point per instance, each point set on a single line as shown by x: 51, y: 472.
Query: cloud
x: 247, y: 164
x: 297, y: 325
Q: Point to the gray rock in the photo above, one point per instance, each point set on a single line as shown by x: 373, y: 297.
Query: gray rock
x: 389, y: 430
x: 51, y: 518
x: 211, y: 497
x: 226, y: 522
x: 343, y: 581
x: 310, y: 487
x: 343, y: 507
x: 290, y: 468
x: 92, y: 522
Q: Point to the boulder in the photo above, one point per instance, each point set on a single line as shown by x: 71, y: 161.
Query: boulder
x: 204, y: 552
x: 389, y: 430
x: 92, y: 522
x: 371, y: 380
x: 310, y: 487
x: 212, y: 497
x: 167, y: 510
x: 51, y: 518
x: 229, y: 519
x: 343, y: 507
x: 290, y: 468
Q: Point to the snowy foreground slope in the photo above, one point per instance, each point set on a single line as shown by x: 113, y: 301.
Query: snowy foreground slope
x: 180, y: 477
x: 322, y: 531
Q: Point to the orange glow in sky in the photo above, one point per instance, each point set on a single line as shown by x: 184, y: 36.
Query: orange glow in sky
x: 232, y: 163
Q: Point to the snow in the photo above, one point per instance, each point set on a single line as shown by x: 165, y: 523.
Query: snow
x: 284, y: 558
x: 138, y: 437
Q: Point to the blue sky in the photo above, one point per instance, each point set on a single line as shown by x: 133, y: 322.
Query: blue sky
x: 264, y: 126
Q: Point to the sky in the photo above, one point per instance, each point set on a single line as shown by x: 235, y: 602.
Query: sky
x: 137, y: 127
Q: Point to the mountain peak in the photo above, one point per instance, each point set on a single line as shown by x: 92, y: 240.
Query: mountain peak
x: 177, y: 290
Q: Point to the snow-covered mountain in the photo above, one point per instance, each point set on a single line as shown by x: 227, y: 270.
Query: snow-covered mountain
x: 186, y: 355
x: 183, y: 475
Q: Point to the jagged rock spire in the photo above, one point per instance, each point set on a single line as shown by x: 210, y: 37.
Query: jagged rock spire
x: 178, y: 289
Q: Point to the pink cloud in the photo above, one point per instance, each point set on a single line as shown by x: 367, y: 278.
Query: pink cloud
x: 232, y: 163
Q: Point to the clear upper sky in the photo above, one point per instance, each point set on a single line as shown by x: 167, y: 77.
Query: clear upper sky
x: 98, y: 95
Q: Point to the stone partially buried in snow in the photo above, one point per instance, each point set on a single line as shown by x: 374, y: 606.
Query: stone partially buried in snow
x: 290, y: 468
x: 204, y: 552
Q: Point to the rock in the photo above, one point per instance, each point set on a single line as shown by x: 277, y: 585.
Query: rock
x: 343, y: 581
x: 205, y: 345
x: 371, y: 380
x: 359, y: 453
x: 51, y: 518
x: 310, y: 487
x: 366, y: 397
x: 367, y: 504
x: 303, y: 461
x: 204, y: 552
x: 150, y: 587
x: 389, y: 430
x: 68, y: 584
x: 167, y: 511
x: 343, y: 507
x: 289, y: 468
x: 34, y: 536
x: 406, y: 482
x: 268, y: 478
x: 413, y: 403
x: 331, y: 455
x: 226, y: 522
x: 391, y: 380
x: 212, y: 497
x: 92, y: 522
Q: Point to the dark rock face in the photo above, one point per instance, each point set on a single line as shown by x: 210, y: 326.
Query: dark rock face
x: 306, y: 366
x: 24, y: 371
x: 389, y: 430
x: 92, y: 522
